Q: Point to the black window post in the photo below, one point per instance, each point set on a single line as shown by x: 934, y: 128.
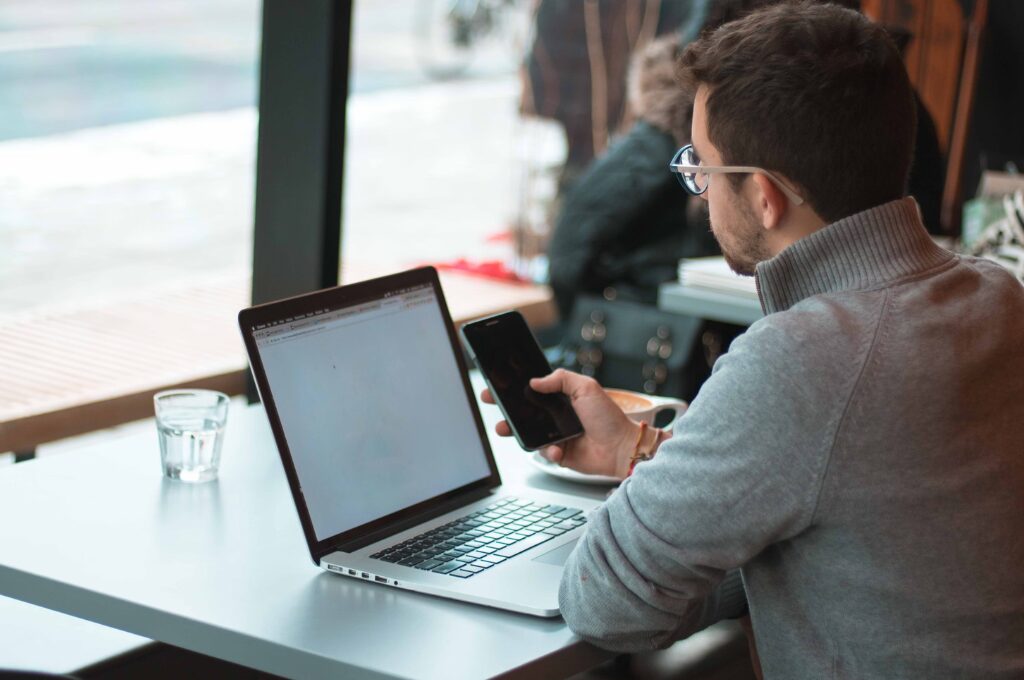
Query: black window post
x: 301, y: 146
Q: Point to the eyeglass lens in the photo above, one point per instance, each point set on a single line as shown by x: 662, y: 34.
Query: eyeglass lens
x: 694, y: 182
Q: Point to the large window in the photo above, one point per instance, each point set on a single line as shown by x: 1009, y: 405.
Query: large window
x: 440, y: 166
x: 127, y: 140
x: 127, y: 156
x: 128, y: 162
x: 471, y: 123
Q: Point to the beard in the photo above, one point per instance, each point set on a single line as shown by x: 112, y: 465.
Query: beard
x: 743, y: 240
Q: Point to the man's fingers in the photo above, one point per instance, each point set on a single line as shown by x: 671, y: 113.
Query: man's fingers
x: 550, y: 383
x: 566, y: 382
x: 503, y: 429
x: 486, y: 397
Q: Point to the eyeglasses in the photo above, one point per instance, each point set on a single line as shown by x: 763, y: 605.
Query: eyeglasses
x: 693, y: 175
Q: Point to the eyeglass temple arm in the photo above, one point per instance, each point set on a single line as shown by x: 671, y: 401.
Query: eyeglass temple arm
x: 729, y: 169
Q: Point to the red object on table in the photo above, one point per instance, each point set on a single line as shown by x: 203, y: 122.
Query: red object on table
x: 491, y: 269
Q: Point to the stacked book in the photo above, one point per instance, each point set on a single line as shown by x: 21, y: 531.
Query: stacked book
x: 713, y: 274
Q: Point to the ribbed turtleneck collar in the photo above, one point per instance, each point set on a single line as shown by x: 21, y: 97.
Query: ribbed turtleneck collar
x: 866, y: 250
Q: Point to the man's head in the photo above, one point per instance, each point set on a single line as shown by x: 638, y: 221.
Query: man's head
x: 814, y: 93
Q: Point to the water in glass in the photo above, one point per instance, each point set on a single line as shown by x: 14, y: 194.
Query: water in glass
x: 190, y: 446
x: 190, y: 424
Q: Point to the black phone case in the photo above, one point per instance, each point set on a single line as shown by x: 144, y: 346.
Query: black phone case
x: 526, y: 446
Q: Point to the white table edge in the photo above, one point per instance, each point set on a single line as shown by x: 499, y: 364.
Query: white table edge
x: 196, y: 636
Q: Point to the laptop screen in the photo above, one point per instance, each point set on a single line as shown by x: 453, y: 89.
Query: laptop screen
x: 372, y: 406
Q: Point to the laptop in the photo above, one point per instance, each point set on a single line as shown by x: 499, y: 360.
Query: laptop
x: 378, y: 428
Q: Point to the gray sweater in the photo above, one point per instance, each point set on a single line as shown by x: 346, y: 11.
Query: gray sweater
x: 857, y: 456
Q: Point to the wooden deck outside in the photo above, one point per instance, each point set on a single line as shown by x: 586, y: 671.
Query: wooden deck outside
x: 70, y: 372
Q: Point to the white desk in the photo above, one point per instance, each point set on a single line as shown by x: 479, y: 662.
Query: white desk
x: 42, y: 640
x: 223, y: 569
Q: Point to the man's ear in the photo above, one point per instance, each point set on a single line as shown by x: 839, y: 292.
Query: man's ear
x: 770, y: 203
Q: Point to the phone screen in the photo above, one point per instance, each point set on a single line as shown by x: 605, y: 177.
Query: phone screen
x: 508, y: 355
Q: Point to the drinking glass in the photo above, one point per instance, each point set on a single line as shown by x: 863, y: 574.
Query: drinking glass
x: 190, y: 424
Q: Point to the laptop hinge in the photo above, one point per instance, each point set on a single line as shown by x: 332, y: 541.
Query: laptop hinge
x: 391, y: 529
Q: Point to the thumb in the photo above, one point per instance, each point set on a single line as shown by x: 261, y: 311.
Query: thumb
x: 553, y: 454
x: 558, y: 381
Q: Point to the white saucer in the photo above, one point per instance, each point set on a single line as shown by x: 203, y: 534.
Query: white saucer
x: 544, y: 465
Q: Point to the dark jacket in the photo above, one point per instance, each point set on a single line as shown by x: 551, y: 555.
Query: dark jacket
x: 623, y: 224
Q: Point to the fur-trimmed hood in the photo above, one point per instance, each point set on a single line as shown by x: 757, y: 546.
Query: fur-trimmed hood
x: 655, y: 94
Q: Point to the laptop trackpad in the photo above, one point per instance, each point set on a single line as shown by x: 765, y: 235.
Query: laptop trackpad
x: 557, y: 556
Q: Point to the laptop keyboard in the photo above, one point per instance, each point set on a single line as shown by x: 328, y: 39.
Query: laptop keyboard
x: 478, y: 541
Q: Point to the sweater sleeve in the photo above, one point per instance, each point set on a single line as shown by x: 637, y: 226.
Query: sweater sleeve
x: 660, y: 559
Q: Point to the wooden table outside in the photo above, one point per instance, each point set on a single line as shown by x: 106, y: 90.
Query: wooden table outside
x: 67, y: 372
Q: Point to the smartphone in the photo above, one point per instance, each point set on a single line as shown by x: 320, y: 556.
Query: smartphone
x: 508, y: 356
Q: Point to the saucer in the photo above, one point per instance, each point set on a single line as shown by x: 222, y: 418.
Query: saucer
x: 544, y: 465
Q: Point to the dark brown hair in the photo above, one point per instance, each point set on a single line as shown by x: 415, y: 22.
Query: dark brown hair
x: 815, y: 92
x: 723, y: 11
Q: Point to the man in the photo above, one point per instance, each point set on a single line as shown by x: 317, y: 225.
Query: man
x: 853, y: 470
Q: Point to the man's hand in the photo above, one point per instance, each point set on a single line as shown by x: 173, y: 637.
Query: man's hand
x: 609, y: 435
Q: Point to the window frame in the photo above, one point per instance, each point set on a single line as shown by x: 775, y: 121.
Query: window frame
x: 303, y: 90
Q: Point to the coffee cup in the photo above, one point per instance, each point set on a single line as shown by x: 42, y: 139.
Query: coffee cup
x: 644, y: 408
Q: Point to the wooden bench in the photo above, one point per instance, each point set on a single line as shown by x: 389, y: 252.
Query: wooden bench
x: 67, y: 372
